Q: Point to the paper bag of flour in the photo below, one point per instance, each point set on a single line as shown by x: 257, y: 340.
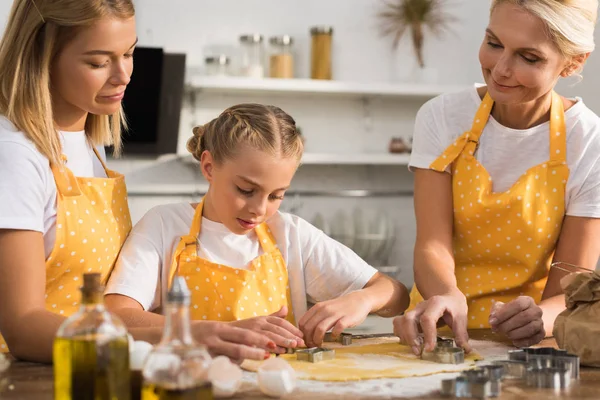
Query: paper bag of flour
x: 577, y: 329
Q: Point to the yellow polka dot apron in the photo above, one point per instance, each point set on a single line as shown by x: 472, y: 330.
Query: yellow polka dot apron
x: 503, y: 242
x: 92, y: 222
x: 223, y: 293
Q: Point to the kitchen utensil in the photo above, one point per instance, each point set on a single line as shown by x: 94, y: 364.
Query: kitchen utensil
x: 315, y: 354
x: 445, y: 352
x: 346, y: 338
x: 478, y: 383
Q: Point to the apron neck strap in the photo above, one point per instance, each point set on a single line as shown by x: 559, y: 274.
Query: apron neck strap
x: 558, y: 130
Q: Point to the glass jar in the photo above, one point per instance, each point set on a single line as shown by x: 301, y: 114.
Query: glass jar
x: 321, y: 38
x: 252, y: 57
x: 281, y: 62
x: 217, y: 65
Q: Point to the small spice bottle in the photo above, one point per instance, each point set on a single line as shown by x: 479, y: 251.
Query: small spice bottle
x: 217, y: 65
x: 252, y: 56
x: 281, y: 61
x: 321, y: 38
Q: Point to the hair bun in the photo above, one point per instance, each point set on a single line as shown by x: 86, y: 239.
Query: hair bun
x: 195, y: 144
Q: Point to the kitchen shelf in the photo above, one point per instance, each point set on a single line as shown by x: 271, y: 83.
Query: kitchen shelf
x: 167, y: 190
x: 236, y: 85
x: 355, y: 159
x: 343, y: 159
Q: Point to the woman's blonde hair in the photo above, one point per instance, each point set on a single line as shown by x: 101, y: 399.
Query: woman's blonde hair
x: 263, y: 127
x: 570, y: 23
x: 36, y: 32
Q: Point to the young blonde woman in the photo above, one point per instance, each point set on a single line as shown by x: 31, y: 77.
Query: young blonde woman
x: 245, y: 262
x: 64, y: 67
x: 507, y: 179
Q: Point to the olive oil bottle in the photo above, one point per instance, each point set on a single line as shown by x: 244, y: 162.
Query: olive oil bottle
x: 91, y: 351
x: 177, y: 367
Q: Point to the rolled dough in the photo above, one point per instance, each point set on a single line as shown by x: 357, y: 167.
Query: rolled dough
x: 368, y: 359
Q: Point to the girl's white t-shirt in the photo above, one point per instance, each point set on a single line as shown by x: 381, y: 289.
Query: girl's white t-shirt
x: 319, y: 268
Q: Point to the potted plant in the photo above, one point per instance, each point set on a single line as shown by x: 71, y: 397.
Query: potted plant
x: 398, y: 16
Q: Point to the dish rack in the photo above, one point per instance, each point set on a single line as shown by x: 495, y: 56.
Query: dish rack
x: 370, y: 233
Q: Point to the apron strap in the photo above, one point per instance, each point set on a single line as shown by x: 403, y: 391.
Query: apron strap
x: 558, y: 131
x: 66, y: 182
x: 189, y: 240
x: 106, y: 170
x: 267, y: 241
x: 468, y: 141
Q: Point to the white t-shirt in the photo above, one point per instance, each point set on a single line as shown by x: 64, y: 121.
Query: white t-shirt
x: 319, y: 268
x: 508, y: 153
x: 27, y: 187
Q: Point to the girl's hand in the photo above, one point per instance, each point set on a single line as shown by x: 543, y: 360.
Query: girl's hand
x: 276, y: 327
x: 341, y: 313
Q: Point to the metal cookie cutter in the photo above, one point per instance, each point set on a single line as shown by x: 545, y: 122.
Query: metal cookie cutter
x: 315, y: 354
x: 554, y: 378
x: 344, y: 338
x: 445, y: 352
x: 547, y: 357
x: 478, y: 383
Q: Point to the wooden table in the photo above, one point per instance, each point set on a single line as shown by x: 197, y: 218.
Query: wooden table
x: 29, y: 381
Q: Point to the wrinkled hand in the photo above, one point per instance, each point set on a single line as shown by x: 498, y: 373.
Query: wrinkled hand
x: 451, y: 308
x: 238, y: 344
x: 341, y: 313
x: 276, y: 327
x: 520, y: 320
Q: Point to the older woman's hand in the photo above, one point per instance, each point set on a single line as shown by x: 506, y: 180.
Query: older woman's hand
x: 520, y: 320
x: 450, y: 309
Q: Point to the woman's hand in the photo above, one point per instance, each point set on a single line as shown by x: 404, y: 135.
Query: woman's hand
x: 222, y: 338
x: 276, y: 327
x: 520, y: 320
x: 450, y: 309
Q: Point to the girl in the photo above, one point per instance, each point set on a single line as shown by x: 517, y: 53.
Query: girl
x: 64, y: 67
x: 245, y: 261
x: 517, y: 190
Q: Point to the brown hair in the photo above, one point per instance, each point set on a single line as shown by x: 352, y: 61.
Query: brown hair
x: 36, y: 32
x: 263, y: 127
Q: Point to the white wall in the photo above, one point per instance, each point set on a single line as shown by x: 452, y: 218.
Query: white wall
x: 202, y: 27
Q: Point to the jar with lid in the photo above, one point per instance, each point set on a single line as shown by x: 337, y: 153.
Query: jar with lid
x: 252, y: 57
x: 217, y: 65
x: 281, y: 61
x: 321, y: 38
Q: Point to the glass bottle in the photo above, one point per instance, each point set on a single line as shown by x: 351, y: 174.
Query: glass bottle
x: 252, y: 56
x: 217, y: 65
x: 321, y: 38
x: 281, y: 61
x: 177, y: 367
x: 91, y: 350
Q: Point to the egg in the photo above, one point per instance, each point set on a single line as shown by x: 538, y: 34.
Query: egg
x: 225, y: 376
x: 138, y: 354
x: 276, y: 378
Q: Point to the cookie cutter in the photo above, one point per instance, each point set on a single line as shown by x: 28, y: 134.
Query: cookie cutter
x: 513, y: 369
x: 547, y: 357
x: 315, y: 354
x: 344, y: 338
x: 549, y: 378
x: 445, y: 352
x: 479, y: 383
